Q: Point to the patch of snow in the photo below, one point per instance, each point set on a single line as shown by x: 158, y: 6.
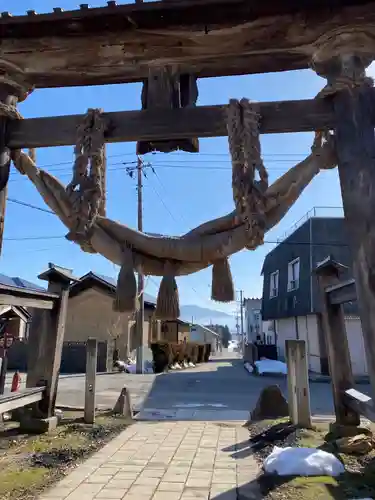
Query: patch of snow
x: 270, y: 366
x: 302, y: 462
x: 248, y: 367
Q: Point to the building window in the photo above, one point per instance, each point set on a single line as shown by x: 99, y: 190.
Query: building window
x: 293, y: 275
x: 274, y: 284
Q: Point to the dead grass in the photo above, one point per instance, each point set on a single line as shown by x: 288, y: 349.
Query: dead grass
x: 358, y: 482
x: 30, y: 463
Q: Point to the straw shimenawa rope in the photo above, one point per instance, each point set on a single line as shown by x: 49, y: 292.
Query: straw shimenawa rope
x: 258, y: 207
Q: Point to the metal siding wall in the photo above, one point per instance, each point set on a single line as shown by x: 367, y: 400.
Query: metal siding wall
x: 296, y: 302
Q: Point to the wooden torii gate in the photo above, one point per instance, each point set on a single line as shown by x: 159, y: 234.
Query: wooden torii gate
x: 169, y: 44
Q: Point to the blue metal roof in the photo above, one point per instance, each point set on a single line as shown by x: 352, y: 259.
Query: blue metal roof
x: 112, y: 282
x: 19, y: 283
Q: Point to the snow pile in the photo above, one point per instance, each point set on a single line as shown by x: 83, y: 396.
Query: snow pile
x: 302, y: 462
x: 248, y: 367
x: 270, y: 366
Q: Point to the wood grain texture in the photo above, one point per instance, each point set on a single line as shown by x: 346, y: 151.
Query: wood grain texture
x: 356, y: 164
x: 6, y: 97
x: 340, y: 367
x: 209, y: 38
x: 153, y: 125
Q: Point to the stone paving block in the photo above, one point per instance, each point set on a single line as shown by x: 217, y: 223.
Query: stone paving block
x: 108, y: 471
x: 181, y: 463
x: 167, y: 495
x: 196, y: 493
x: 131, y: 468
x: 130, y: 496
x: 120, y: 484
x: 194, y: 482
x: 166, y: 486
x: 149, y: 472
x: 228, y: 476
x: 172, y: 476
x: 200, y: 474
x: 147, y: 481
x: 80, y: 496
x: 110, y: 494
x: 88, y: 488
x: 97, y: 478
x: 138, y: 489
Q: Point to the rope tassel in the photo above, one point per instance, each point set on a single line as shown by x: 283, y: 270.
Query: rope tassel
x: 222, y: 282
x: 126, y: 291
x: 168, y: 303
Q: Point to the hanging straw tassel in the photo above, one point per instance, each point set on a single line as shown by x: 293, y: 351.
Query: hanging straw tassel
x: 222, y: 282
x: 168, y: 304
x: 126, y: 291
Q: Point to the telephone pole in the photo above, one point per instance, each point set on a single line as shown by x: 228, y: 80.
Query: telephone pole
x: 242, y: 332
x: 140, y: 312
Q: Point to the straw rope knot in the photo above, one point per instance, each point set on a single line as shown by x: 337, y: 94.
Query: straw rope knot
x: 87, y: 187
x: 249, y: 196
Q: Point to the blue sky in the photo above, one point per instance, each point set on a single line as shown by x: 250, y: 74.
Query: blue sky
x: 187, y: 190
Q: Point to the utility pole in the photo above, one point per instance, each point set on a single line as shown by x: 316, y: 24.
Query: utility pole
x: 241, y: 312
x: 140, y: 313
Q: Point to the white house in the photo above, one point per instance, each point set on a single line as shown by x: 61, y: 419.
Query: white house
x: 257, y: 330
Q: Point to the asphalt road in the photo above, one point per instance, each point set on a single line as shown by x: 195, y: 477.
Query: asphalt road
x: 221, y: 383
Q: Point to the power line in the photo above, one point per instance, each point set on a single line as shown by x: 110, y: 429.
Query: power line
x: 29, y: 205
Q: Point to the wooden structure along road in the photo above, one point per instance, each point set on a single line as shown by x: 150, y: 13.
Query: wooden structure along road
x: 45, y: 347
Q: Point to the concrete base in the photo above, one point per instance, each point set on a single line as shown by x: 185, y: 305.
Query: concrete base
x: 38, y: 425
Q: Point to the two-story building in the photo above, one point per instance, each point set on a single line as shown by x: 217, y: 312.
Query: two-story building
x: 291, y: 297
x: 256, y: 329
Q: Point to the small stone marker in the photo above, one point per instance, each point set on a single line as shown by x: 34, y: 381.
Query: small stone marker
x: 123, y: 405
x: 271, y: 404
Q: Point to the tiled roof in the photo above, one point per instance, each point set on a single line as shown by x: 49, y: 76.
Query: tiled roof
x: 19, y: 283
x: 112, y: 283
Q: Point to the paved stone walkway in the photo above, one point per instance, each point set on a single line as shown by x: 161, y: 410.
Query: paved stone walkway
x: 167, y: 461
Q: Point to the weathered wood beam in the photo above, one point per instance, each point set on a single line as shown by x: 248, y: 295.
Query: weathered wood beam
x: 46, y: 339
x: 20, y: 399
x: 360, y: 403
x: 163, y: 90
x: 340, y: 367
x: 152, y: 125
x: 7, y: 97
x: 342, y: 293
x: 205, y: 39
x: 355, y: 143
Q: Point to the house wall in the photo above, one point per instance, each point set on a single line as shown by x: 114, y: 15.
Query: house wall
x: 204, y: 335
x: 296, y: 302
x: 312, y: 242
x: 90, y: 314
x: 252, y: 327
x: 301, y: 328
x: 356, y: 345
x: 174, y: 331
x: 306, y: 328
x: 329, y: 237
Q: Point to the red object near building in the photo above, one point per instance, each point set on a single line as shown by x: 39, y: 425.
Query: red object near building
x: 16, y: 382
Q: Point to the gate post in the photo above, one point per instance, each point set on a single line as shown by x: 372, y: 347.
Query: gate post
x: 343, y: 60
x: 340, y: 367
x: 46, y: 341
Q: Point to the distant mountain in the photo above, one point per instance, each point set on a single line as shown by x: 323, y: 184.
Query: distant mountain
x: 205, y: 316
